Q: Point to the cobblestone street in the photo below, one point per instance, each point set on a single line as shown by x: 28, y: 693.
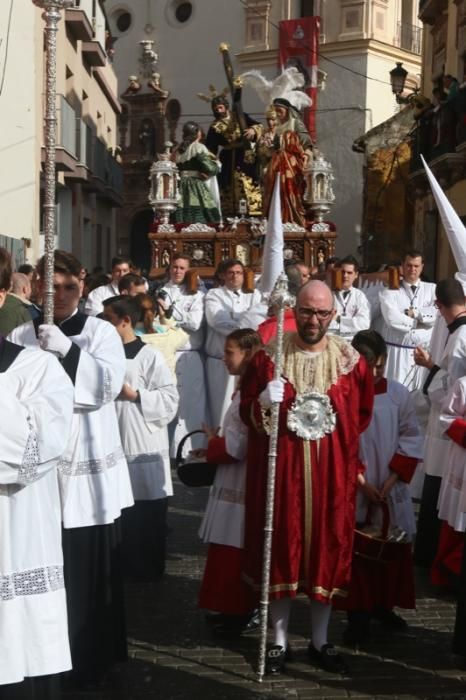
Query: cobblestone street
x: 174, y: 655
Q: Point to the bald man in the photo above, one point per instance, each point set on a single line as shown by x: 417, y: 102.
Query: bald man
x: 325, y: 403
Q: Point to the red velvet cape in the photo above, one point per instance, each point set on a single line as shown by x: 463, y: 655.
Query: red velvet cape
x: 315, y: 488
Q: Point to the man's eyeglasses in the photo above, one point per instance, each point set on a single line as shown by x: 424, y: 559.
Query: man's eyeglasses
x: 321, y: 314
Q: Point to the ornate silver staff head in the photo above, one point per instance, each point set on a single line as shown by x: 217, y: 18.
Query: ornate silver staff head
x: 280, y: 296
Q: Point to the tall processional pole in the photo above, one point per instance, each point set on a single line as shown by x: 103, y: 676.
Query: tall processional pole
x: 274, y: 285
x: 280, y: 298
x: 52, y: 15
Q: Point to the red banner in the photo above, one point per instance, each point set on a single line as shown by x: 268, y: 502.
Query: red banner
x: 299, y: 46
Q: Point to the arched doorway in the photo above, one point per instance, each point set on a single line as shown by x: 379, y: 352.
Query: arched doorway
x: 140, y: 248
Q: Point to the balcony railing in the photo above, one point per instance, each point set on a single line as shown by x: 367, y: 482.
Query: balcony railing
x: 409, y: 37
x: 98, y: 24
x: 440, y: 130
x: 87, y: 21
x: 99, y: 159
x: 106, y: 168
x: 84, y: 136
x: 85, y: 5
x: 66, y: 131
x: 115, y: 175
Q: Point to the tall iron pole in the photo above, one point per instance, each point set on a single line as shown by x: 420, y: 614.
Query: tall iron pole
x: 52, y: 15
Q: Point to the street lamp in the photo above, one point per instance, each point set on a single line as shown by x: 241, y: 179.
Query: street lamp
x: 398, y: 77
x: 52, y: 14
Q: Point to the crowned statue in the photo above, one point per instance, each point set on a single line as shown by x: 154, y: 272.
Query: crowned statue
x: 290, y: 152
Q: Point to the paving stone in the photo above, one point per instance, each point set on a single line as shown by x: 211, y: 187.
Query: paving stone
x: 174, y: 654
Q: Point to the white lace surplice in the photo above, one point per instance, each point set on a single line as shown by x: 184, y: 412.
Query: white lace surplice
x: 37, y: 404
x: 93, y: 474
x: 223, y: 521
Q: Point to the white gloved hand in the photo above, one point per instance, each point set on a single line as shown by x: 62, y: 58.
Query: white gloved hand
x: 273, y: 393
x: 52, y: 339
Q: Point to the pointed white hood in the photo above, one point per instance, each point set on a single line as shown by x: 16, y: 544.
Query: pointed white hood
x: 454, y: 227
x: 272, y: 259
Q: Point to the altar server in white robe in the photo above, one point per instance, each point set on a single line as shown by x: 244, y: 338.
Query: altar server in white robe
x: 93, y: 306
x: 442, y: 375
x: 145, y: 406
x: 409, y: 314
x: 452, y: 499
x: 353, y: 311
x: 186, y: 308
x: 390, y: 448
x: 93, y: 473
x: 35, y: 413
x: 222, y: 588
x: 428, y: 524
x: 225, y: 308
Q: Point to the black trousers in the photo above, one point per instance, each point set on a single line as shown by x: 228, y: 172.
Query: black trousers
x: 459, y: 635
x: 95, y: 598
x: 38, y: 688
x: 428, y: 525
x: 144, y: 539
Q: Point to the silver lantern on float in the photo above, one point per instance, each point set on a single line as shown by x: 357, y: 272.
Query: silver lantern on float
x: 164, y: 192
x: 319, y: 191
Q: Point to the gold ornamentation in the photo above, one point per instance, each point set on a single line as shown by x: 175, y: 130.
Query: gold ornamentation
x: 319, y: 373
x: 212, y: 93
x: 248, y: 190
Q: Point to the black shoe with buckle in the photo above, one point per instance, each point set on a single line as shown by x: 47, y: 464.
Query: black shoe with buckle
x: 253, y: 622
x: 327, y: 658
x: 275, y: 659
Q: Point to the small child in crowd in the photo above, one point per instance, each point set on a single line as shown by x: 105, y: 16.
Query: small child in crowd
x: 222, y: 589
x: 147, y: 403
x: 390, y: 449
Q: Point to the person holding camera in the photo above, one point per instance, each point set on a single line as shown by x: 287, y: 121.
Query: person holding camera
x: 183, y: 303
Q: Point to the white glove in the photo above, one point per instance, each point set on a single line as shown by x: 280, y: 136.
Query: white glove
x: 273, y: 393
x: 52, y: 339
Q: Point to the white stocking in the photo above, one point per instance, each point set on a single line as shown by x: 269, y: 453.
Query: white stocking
x: 320, y: 617
x: 280, y: 617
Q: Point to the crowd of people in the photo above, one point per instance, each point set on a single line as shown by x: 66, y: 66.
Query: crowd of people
x: 95, y: 406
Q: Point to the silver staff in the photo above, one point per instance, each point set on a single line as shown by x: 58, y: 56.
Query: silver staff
x: 51, y: 17
x: 280, y: 298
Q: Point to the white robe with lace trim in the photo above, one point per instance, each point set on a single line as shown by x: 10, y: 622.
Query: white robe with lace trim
x: 223, y: 521
x: 93, y: 473
x: 143, y: 425
x: 35, y: 414
x: 452, y: 497
x: 393, y: 429
x: 452, y: 366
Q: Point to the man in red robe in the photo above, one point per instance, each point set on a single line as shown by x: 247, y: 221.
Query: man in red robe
x: 326, y: 402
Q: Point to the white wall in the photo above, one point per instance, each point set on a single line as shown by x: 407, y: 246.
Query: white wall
x: 341, y: 118
x: 189, y: 59
x: 19, y: 187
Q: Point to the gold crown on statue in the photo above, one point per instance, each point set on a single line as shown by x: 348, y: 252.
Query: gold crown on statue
x: 212, y: 93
